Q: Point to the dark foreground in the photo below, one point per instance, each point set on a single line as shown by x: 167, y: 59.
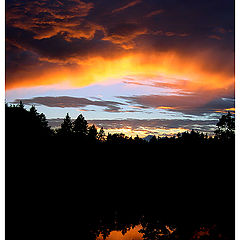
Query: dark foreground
x: 64, y: 190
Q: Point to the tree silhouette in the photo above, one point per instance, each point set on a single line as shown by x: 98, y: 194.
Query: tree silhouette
x: 226, y: 128
x: 33, y: 111
x: 66, y: 127
x: 38, y: 122
x: 92, y: 133
x: 23, y: 123
x: 117, y: 138
x: 153, y: 140
x: 21, y: 106
x: 80, y: 128
x: 101, y: 135
x: 193, y: 137
x: 43, y: 120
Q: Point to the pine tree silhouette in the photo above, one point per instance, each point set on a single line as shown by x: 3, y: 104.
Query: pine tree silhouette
x: 226, y: 128
x: 80, y: 126
x: 66, y: 129
x: 101, y: 135
x: 92, y: 133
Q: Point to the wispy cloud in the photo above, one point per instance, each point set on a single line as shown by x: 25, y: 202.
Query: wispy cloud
x: 71, y: 102
x: 128, y: 5
x: 155, y: 12
x: 215, y: 37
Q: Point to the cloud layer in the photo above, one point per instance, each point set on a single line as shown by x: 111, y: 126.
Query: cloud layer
x: 185, y: 104
x: 68, y: 36
x: 185, y: 47
x: 71, y: 102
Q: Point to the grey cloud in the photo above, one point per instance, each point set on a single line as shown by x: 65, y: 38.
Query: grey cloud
x: 66, y: 101
x: 186, y: 103
x: 75, y: 102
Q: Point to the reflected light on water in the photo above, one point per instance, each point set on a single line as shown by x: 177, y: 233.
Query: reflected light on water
x: 131, y: 234
x: 135, y: 233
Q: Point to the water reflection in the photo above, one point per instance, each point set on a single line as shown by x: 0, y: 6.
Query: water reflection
x: 143, y: 231
x: 158, y: 231
x: 132, y: 233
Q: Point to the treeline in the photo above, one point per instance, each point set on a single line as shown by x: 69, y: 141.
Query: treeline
x: 23, y: 123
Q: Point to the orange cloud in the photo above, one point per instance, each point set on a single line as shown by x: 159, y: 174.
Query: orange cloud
x: 131, y: 4
x: 124, y: 34
x: 77, y: 30
x: 199, y: 75
x: 224, y: 111
x: 47, y: 20
x: 153, y: 13
x: 215, y: 37
x: 169, y: 34
x: 165, y: 107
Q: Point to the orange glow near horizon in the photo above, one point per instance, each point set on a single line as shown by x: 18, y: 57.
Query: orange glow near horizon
x: 164, y: 107
x: 143, y: 132
x: 100, y: 70
x: 232, y: 110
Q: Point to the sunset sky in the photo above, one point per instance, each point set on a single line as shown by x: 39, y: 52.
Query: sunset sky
x: 132, y: 66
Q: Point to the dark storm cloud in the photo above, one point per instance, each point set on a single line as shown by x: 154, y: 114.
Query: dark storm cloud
x: 57, y: 48
x: 17, y: 57
x: 22, y: 63
x: 47, y: 18
x: 70, y: 31
x: 124, y: 34
x: 75, y: 19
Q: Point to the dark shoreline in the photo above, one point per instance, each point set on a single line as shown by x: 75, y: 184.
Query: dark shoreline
x: 70, y: 185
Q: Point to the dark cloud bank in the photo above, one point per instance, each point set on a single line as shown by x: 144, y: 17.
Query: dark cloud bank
x: 47, y: 31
